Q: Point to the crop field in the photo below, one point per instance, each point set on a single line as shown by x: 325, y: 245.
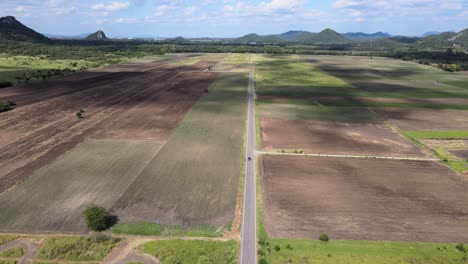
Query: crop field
x: 194, y: 178
x: 234, y: 63
x: 44, y: 125
x: 96, y: 171
x: 335, y: 138
x: 363, y: 199
x: 55, y: 163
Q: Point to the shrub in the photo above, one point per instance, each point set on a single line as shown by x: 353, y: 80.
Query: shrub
x: 261, y: 252
x: 262, y: 261
x: 5, y: 84
x: 261, y: 241
x: 171, y: 260
x: 445, y: 160
x: 288, y: 246
x: 324, y: 237
x: 98, y: 218
x: 204, y: 260
x: 460, y: 247
x: 277, y: 248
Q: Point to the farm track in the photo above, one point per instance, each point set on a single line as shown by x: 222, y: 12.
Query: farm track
x: 48, y: 128
x: 28, y: 245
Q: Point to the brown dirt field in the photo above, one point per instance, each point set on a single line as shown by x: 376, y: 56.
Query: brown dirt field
x: 460, y: 153
x: 445, y: 143
x: 341, y: 99
x: 335, y: 138
x: 44, y: 125
x: 363, y: 199
x: 424, y: 119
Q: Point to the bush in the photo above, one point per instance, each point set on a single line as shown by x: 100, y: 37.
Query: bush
x: 98, y: 218
x: 171, y: 260
x: 277, y: 248
x: 288, y: 246
x: 324, y: 237
x: 262, y: 261
x: 461, y: 247
x: 261, y: 252
x: 204, y: 260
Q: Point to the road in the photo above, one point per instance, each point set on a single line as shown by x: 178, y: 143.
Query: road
x: 248, y: 254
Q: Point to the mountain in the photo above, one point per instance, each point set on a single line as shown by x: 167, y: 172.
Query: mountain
x: 98, y: 35
x: 461, y: 38
x: 360, y: 36
x: 255, y: 38
x: 327, y: 36
x: 427, y: 34
x: 437, y: 41
x: 12, y: 29
x: 405, y: 40
x: 295, y: 35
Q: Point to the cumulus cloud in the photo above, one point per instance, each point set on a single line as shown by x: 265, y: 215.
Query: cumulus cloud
x: 164, y: 9
x: 114, y: 6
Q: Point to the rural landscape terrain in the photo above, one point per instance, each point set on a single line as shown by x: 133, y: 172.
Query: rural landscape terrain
x: 254, y: 152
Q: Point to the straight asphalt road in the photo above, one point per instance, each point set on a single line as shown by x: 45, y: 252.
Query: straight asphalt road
x: 248, y: 254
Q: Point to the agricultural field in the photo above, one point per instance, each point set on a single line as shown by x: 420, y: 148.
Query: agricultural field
x: 201, y: 159
x: 395, y: 136
x: 94, y: 137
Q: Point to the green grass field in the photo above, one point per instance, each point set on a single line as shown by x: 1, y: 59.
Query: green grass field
x: 76, y: 248
x: 6, y: 238
x: 15, y: 252
x: 96, y: 171
x: 290, y: 71
x: 193, y: 251
x: 153, y: 229
x: 235, y: 63
x: 193, y: 181
x: 360, y: 252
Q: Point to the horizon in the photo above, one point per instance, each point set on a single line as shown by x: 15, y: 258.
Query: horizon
x: 231, y: 18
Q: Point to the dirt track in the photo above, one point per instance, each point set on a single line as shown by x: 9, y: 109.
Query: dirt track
x: 335, y: 138
x: 44, y: 125
x: 363, y: 199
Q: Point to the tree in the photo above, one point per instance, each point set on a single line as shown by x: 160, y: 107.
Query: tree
x: 97, y: 218
x: 324, y: 237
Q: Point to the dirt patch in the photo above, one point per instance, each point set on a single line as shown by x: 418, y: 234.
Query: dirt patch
x: 424, y: 119
x: 363, y: 199
x: 335, y: 138
x: 460, y: 153
x: 445, y: 143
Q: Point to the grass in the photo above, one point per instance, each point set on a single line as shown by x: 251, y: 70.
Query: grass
x: 451, y: 134
x: 193, y: 180
x: 361, y: 252
x: 235, y: 62
x: 4, y: 261
x: 287, y: 71
x: 6, y: 238
x: 95, y: 171
x: 322, y: 113
x: 153, y: 229
x: 191, y: 251
x: 15, y: 252
x: 196, y: 59
x: 76, y: 248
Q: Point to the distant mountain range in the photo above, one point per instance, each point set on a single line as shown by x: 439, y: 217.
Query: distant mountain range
x: 13, y: 30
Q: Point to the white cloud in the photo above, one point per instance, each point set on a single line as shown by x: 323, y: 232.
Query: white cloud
x: 125, y: 20
x: 20, y: 9
x: 114, y: 6
x: 280, y: 5
x: 164, y: 9
x: 189, y: 11
x: 347, y: 3
x: 101, y: 21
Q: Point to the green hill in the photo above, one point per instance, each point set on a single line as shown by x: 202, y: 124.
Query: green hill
x: 12, y: 29
x: 327, y: 36
x: 98, y: 35
x: 436, y: 41
x: 292, y: 36
x: 461, y: 38
x: 255, y: 38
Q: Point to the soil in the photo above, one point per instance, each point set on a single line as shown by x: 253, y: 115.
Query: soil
x: 460, y: 153
x: 424, y: 119
x: 335, y: 138
x: 363, y: 199
x: 130, y: 105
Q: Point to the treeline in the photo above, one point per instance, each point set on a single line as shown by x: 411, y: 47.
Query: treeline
x: 448, y: 60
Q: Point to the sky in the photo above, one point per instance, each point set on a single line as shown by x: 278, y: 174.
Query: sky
x: 234, y: 18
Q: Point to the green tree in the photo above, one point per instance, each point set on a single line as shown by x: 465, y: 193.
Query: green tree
x: 97, y: 218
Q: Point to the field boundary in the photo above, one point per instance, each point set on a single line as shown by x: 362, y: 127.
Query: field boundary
x: 344, y: 156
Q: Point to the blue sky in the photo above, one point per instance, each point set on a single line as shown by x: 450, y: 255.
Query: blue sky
x: 233, y: 18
